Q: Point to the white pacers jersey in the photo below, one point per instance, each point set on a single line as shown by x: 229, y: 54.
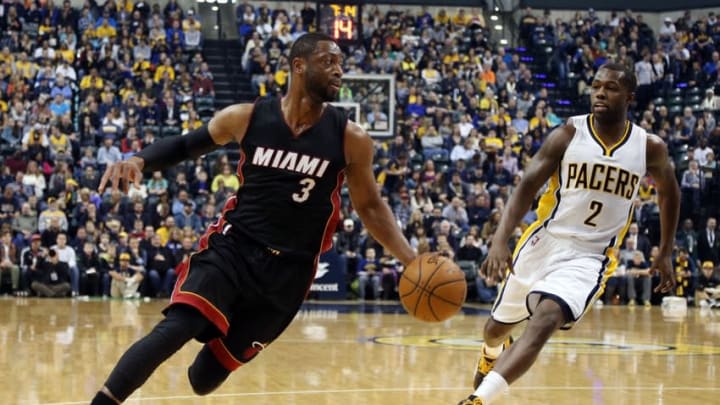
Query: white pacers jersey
x: 589, y: 199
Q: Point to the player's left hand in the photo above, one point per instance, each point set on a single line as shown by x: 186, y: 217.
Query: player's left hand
x: 663, y: 265
x: 498, y: 262
x: 122, y: 173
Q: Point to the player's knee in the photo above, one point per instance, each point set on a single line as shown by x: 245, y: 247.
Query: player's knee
x: 549, y: 315
x: 206, y: 373
x: 204, y: 382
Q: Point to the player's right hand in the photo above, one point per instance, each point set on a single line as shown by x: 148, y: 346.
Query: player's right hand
x: 497, y: 262
x: 121, y: 174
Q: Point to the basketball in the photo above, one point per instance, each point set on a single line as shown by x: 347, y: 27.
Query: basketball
x: 432, y: 288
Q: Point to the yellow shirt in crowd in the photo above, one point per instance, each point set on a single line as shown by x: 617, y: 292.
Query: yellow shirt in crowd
x: 59, y: 143
x: 494, y: 142
x: 160, y: 71
x: 230, y: 181
x: 105, y: 31
x: 27, y: 69
x: 88, y: 82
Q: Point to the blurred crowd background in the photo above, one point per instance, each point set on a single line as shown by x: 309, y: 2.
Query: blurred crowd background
x: 84, y: 86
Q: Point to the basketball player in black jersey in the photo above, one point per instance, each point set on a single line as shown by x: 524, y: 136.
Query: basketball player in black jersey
x: 257, y: 262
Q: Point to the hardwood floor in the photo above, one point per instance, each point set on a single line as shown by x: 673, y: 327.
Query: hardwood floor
x: 61, y: 351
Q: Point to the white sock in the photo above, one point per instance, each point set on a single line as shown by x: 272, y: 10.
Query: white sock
x: 492, y: 386
x: 492, y: 352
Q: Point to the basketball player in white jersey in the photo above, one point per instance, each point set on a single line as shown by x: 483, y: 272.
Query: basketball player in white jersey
x: 593, y: 166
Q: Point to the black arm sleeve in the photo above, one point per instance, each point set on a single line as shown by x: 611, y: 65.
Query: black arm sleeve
x: 170, y: 151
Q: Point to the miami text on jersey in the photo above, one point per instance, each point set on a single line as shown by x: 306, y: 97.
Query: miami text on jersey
x: 601, y: 177
x: 292, y: 161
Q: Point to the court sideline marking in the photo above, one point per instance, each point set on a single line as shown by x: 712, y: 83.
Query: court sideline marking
x: 399, y: 389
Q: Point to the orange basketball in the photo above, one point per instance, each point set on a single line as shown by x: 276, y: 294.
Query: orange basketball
x: 432, y: 288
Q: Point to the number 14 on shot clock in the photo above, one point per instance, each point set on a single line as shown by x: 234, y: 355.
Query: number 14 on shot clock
x: 341, y: 21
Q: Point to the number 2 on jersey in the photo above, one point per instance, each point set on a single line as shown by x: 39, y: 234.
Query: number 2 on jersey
x: 307, y: 185
x: 595, y: 207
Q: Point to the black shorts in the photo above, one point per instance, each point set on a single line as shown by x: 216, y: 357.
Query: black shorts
x: 249, y: 292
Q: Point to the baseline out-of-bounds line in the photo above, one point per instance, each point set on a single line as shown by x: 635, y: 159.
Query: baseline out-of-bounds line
x: 659, y: 388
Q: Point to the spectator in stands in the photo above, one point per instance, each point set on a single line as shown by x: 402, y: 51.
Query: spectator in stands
x: 692, y: 184
x: 455, y: 211
x: 125, y: 281
x: 389, y: 278
x: 9, y: 205
x: 403, y: 209
x: 347, y: 245
x: 187, y: 249
x: 50, y: 214
x: 640, y: 241
x: 369, y: 271
x: 227, y: 178
x: 88, y: 263
x: 190, y: 21
x: 108, y: 153
x: 92, y: 81
x: 188, y: 217
x: 29, y: 257
x: 706, y: 293
x: 24, y: 224
x: 160, y: 266
x: 686, y: 272
x: 50, y: 277
x: 708, y: 242
x: 710, y: 102
x: 66, y: 254
x: 9, y: 261
x: 638, y: 274
x: 469, y: 251
x: 192, y: 39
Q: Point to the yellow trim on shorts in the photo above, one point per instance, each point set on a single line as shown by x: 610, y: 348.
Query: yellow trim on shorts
x: 547, y: 204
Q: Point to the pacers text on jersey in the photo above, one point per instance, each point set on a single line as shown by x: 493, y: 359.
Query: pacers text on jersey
x: 602, y: 177
x: 292, y: 161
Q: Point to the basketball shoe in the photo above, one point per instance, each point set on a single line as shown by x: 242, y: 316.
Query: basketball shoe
x: 485, y: 365
x: 471, y: 400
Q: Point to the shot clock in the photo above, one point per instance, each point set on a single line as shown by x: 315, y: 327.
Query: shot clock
x: 340, y: 20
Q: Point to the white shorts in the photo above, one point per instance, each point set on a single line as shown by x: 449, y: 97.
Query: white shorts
x: 552, y: 268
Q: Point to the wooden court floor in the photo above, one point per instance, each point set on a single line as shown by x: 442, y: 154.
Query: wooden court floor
x: 60, y: 351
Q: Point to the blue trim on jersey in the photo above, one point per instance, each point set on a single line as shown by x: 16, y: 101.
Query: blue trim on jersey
x: 502, y: 292
x: 601, y: 274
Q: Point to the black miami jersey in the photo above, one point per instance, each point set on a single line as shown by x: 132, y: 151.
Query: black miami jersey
x: 289, y: 198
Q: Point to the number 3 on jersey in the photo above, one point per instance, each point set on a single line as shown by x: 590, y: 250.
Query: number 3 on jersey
x: 307, y: 185
x: 595, y: 207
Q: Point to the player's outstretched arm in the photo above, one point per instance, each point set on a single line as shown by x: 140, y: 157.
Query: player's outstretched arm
x: 541, y: 167
x: 668, y: 191
x: 227, y: 125
x: 374, y: 212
